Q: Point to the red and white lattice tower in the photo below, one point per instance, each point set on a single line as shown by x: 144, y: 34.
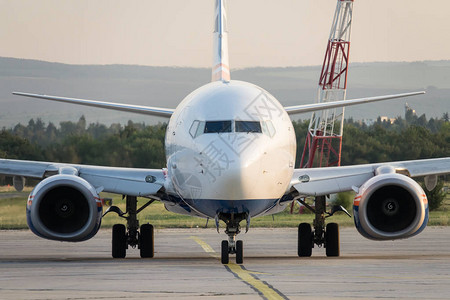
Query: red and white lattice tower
x: 324, y: 138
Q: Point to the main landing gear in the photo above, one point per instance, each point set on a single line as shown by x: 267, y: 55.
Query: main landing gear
x: 122, y: 236
x: 233, y: 229
x: 327, y: 236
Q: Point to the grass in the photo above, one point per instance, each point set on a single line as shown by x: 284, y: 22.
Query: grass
x: 13, y: 204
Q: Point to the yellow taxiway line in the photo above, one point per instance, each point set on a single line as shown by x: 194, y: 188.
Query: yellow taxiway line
x: 248, y: 277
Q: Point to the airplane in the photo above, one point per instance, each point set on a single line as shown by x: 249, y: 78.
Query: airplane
x: 230, y: 150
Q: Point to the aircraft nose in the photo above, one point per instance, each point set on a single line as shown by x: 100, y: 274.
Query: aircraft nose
x: 232, y: 174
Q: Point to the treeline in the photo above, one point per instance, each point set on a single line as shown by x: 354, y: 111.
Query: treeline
x: 402, y: 139
x: 140, y: 145
x: 131, y: 145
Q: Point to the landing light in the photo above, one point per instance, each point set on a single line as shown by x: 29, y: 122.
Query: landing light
x: 150, y: 179
x: 304, y: 178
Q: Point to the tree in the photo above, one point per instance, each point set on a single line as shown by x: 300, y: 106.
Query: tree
x: 15, y: 147
x: 81, y: 125
x: 445, y: 117
x: 345, y: 199
x: 436, y: 196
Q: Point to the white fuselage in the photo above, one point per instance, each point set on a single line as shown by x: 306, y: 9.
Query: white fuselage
x: 230, y: 147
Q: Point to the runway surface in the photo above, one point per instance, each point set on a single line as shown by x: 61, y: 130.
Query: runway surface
x: 186, y: 265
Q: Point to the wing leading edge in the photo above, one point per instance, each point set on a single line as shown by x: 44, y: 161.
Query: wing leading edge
x: 126, y: 181
x: 330, y: 180
x: 328, y: 105
x: 146, y: 110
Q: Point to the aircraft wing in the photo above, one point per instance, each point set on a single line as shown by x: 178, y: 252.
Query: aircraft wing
x: 334, y: 104
x: 167, y: 112
x: 330, y: 180
x: 146, y: 110
x: 125, y: 181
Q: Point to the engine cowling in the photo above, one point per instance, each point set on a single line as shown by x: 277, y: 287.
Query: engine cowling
x: 64, y: 208
x: 390, y: 206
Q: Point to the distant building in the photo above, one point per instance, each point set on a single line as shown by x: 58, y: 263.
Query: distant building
x: 410, y: 114
x: 387, y: 119
x: 409, y: 109
x: 367, y: 122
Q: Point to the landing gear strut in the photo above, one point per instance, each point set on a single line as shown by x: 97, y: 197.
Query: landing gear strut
x: 122, y: 236
x: 233, y: 229
x: 323, y: 235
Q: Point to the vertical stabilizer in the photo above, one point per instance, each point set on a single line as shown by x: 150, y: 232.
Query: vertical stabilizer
x: 220, y: 69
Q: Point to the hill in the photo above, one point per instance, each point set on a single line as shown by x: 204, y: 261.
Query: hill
x: 167, y: 86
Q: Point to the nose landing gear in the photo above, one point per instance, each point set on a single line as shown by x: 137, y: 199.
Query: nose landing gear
x: 233, y: 229
x: 232, y: 247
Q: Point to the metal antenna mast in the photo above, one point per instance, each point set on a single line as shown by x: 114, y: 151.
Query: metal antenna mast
x: 324, y: 138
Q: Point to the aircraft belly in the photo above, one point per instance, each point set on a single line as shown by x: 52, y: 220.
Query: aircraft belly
x: 210, y: 207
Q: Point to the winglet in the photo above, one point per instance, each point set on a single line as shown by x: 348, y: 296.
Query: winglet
x: 220, y: 68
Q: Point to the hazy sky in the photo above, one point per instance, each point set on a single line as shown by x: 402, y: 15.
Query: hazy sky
x: 179, y: 32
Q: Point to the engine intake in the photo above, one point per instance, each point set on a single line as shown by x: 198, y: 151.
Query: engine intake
x: 390, y: 206
x: 64, y: 208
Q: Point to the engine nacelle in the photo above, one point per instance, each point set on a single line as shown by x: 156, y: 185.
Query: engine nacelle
x: 390, y: 206
x: 64, y: 208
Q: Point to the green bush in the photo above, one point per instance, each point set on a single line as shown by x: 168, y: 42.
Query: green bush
x: 345, y: 199
x: 436, y: 196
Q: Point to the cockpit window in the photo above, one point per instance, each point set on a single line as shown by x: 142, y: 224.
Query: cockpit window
x: 196, y: 128
x: 217, y: 126
x: 268, y: 128
x: 201, y: 127
x: 248, y: 126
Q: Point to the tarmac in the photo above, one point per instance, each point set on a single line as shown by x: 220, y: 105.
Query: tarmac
x: 187, y: 265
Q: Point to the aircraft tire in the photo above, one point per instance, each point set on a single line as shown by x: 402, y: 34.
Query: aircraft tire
x: 225, y: 256
x: 146, y: 241
x: 239, y: 252
x: 332, y: 239
x: 304, y: 240
x: 119, y: 241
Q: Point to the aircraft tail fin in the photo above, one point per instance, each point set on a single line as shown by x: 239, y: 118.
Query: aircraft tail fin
x: 220, y: 68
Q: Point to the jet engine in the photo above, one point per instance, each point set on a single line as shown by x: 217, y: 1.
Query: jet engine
x: 64, y: 208
x: 390, y: 206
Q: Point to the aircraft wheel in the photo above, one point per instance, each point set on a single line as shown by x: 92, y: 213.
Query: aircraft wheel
x: 119, y: 241
x: 304, y: 240
x: 224, y: 251
x: 239, y: 252
x: 332, y: 239
x: 146, y: 241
